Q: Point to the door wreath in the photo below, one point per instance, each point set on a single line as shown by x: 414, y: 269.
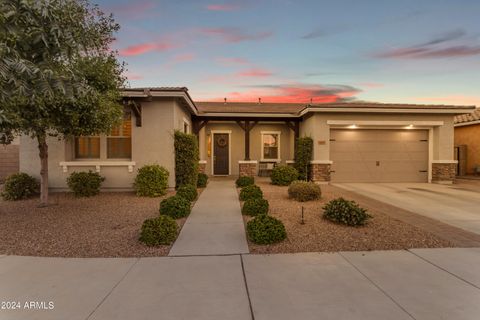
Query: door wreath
x: 222, y: 142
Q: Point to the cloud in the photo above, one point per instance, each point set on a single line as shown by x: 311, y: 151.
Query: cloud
x: 184, y: 57
x: 231, y: 61
x: 133, y: 76
x: 294, y: 93
x: 143, y: 48
x: 223, y: 7
x: 255, y: 72
x: 438, y: 47
x: 233, y: 35
x: 371, y: 84
x: 317, y: 33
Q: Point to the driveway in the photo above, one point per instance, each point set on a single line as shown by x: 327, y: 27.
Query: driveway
x: 452, y: 204
x: 414, y: 284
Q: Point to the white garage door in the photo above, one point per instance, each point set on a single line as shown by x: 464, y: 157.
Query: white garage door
x: 379, y: 155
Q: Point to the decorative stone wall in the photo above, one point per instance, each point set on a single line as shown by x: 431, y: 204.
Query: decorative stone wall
x: 320, y: 172
x: 247, y: 168
x: 443, y: 172
x: 202, y: 166
x: 9, y: 160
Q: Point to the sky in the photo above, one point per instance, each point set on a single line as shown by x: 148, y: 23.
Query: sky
x: 387, y: 51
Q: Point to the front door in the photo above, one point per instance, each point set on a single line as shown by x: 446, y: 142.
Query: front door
x: 221, y: 160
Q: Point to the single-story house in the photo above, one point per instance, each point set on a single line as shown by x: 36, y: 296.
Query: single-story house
x: 353, y: 142
x: 9, y: 159
x: 467, y: 142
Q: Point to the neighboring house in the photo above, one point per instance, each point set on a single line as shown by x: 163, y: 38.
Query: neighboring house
x: 9, y: 159
x: 353, y: 142
x: 467, y: 142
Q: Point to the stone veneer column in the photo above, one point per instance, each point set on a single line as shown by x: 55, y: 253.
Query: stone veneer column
x: 320, y: 170
x: 247, y: 168
x: 202, y: 166
x: 444, y: 171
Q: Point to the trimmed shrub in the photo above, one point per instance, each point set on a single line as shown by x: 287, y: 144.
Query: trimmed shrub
x: 251, y: 192
x: 255, y: 207
x: 345, y: 212
x: 265, y: 229
x: 188, y: 192
x: 244, y: 181
x: 151, y: 181
x: 283, y: 175
x: 202, y: 180
x: 85, y: 184
x: 175, y: 207
x: 186, y: 159
x: 304, y: 191
x: 303, y: 156
x: 158, y: 231
x: 20, y: 186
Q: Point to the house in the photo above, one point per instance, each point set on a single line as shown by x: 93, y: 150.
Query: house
x: 9, y: 159
x: 353, y: 142
x: 467, y: 143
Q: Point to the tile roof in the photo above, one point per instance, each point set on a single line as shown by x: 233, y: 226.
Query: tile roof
x: 185, y: 89
x: 469, y: 117
x: 249, y: 107
x: 371, y: 105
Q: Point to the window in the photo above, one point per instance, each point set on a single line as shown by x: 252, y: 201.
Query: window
x: 87, y: 147
x: 186, y: 126
x: 270, y: 145
x: 119, y: 141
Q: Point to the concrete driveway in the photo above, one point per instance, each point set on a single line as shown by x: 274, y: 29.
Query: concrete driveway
x: 451, y: 204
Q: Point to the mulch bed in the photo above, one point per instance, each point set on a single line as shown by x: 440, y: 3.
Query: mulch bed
x: 319, y: 235
x: 107, y: 225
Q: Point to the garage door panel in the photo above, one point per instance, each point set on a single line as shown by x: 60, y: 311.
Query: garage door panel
x: 379, y: 155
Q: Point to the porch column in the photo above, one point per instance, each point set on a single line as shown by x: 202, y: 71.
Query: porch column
x: 295, y: 126
x: 247, y: 140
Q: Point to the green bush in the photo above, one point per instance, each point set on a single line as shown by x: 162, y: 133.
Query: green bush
x: 158, y: 231
x: 202, y: 180
x: 303, y: 156
x: 255, y: 207
x: 345, y: 212
x: 186, y: 159
x: 20, y: 186
x: 188, y: 192
x: 85, y: 184
x: 304, y: 191
x: 283, y: 175
x: 264, y: 229
x: 251, y: 192
x: 151, y: 181
x: 244, y: 181
x: 175, y: 207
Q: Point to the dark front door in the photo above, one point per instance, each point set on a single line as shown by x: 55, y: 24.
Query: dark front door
x: 220, y: 154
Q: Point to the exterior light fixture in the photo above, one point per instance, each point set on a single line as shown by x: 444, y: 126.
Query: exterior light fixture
x: 353, y: 126
x: 410, y: 126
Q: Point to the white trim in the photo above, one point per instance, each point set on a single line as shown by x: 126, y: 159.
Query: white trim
x: 247, y: 161
x: 386, y: 110
x: 189, y: 125
x: 279, y: 133
x: 202, y: 161
x: 384, y: 123
x: 445, y: 161
x: 430, y: 155
x: 250, y: 114
x: 229, y: 132
x: 469, y: 123
x: 321, y: 162
x: 289, y: 161
x: 97, y: 164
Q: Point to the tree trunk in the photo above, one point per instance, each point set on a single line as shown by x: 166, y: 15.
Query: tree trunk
x: 43, y: 148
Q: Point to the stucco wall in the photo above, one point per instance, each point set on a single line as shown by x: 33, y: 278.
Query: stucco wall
x: 469, y: 136
x: 9, y: 159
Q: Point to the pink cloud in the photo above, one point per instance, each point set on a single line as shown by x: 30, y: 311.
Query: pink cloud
x: 133, y: 76
x: 184, y: 57
x: 143, y: 48
x: 223, y: 7
x: 233, y: 35
x: 255, y: 72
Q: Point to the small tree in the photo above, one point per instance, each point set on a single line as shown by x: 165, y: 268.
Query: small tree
x: 58, y: 76
x: 186, y: 159
x: 303, y: 156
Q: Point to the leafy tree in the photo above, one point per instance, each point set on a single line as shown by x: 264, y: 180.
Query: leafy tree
x: 58, y: 76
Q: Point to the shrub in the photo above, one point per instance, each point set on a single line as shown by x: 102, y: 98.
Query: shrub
x: 255, y: 207
x: 202, y: 180
x: 186, y: 159
x: 264, y: 229
x: 244, y: 181
x: 175, y: 207
x: 20, y: 186
x: 345, y: 212
x: 85, y: 184
x: 188, y: 192
x: 151, y: 181
x: 159, y: 230
x: 303, y: 156
x: 283, y: 175
x: 251, y: 192
x: 304, y: 191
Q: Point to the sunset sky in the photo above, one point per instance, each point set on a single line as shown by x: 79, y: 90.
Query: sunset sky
x: 293, y: 51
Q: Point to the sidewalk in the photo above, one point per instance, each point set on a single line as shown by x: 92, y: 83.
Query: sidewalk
x: 215, y: 226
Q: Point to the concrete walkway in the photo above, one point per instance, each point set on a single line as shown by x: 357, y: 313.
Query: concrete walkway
x: 415, y: 284
x: 215, y: 226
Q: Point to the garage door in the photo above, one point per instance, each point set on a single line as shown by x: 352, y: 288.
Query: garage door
x: 379, y: 155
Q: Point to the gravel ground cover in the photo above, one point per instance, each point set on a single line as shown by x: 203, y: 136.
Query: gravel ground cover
x: 107, y: 225
x: 318, y: 235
